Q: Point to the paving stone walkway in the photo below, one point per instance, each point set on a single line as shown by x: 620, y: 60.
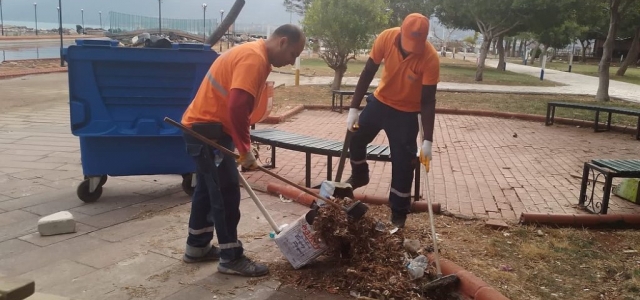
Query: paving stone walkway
x: 129, y: 243
x: 480, y: 167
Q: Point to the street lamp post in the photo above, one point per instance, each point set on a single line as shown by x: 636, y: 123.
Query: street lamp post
x: 1, y: 18
x: 35, y: 13
x: 160, y: 16
x: 100, y: 13
x: 60, y: 31
x: 204, y: 23
x: 221, y: 17
x: 82, y: 12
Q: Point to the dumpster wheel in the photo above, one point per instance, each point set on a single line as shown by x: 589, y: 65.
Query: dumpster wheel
x: 187, y: 183
x: 84, y: 190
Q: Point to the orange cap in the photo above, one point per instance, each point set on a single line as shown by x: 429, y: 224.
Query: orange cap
x: 414, y: 32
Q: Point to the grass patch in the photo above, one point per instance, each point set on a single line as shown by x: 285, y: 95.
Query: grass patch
x: 288, y: 96
x: 451, y: 70
x: 590, y: 68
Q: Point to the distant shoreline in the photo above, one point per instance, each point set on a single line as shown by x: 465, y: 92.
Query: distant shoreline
x: 46, y: 37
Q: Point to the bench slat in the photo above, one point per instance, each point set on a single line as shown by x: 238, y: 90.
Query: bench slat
x: 289, y: 139
x: 303, y: 143
x: 619, y: 165
x: 621, y: 110
x: 321, y: 144
x: 333, y: 145
x: 379, y: 150
x: 370, y: 148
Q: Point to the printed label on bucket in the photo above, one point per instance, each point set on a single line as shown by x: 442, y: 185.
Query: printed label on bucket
x: 299, y: 244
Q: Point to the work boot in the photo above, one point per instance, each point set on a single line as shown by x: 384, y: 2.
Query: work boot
x: 212, y: 255
x: 357, y: 181
x: 398, y: 219
x: 243, y: 266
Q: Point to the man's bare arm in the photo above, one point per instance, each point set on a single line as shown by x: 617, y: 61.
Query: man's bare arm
x: 370, y: 70
x: 428, y: 110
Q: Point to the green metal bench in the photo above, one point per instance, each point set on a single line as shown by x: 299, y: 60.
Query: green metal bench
x: 313, y: 145
x: 339, y: 94
x: 609, y: 168
x: 551, y: 111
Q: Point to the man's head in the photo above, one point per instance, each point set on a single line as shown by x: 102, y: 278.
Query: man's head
x: 285, y: 45
x: 414, y: 32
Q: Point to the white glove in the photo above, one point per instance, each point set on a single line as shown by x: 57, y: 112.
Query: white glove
x: 352, y: 119
x: 248, y: 160
x: 425, y: 154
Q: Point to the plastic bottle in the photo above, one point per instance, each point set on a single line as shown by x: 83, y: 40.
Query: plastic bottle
x: 217, y: 159
x: 417, y: 266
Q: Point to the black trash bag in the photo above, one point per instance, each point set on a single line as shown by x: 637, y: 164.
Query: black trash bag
x: 157, y: 42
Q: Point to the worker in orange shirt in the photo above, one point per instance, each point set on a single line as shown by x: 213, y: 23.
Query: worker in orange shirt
x: 223, y: 110
x: 407, y: 87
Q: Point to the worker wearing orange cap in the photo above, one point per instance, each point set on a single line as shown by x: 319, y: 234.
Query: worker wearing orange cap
x: 407, y: 87
x: 232, y: 96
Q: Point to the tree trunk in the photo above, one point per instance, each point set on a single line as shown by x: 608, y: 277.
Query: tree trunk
x: 226, y: 23
x: 534, y: 51
x: 553, y: 55
x: 605, y: 62
x: 632, y: 55
x: 508, y: 47
x: 484, y: 49
x: 513, y: 47
x: 493, y: 48
x: 584, y: 45
x: 521, y: 47
x: 337, y: 78
x: 501, y: 61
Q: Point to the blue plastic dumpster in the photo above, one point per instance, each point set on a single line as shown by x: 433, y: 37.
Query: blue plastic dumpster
x: 118, y: 98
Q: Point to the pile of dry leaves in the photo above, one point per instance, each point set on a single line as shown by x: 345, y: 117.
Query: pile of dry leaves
x: 365, y: 257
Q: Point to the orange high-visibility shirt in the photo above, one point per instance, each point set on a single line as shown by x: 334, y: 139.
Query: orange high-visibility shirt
x: 402, y: 78
x: 243, y: 67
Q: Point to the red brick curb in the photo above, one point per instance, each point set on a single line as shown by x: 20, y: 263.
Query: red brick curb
x: 582, y: 220
x: 471, y: 286
x: 6, y: 75
x: 281, y: 118
x: 482, y: 113
x: 306, y: 199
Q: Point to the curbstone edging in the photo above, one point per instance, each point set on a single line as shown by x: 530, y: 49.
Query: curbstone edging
x: 582, y: 220
x: 7, y: 75
x: 306, y: 199
x: 471, y: 286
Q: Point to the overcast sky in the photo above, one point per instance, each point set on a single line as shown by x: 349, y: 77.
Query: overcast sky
x: 254, y: 11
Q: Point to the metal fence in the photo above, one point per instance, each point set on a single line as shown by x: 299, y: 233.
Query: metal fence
x: 119, y: 22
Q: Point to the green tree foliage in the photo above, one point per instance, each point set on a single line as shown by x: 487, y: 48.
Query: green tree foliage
x: 297, y: 6
x: 630, y: 28
x: 344, y: 27
x: 401, y: 8
x: 616, y: 8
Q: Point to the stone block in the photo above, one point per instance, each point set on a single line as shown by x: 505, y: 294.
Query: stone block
x: 58, y: 223
x: 14, y: 288
x: 497, y: 224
